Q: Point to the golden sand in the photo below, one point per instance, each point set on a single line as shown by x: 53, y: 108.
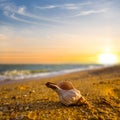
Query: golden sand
x: 32, y: 100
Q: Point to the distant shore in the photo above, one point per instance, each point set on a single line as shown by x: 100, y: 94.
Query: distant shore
x: 31, y: 99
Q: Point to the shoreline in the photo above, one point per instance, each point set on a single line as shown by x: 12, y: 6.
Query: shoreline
x: 31, y: 99
x: 50, y: 74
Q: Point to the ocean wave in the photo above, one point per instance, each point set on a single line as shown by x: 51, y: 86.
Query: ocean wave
x: 28, y: 74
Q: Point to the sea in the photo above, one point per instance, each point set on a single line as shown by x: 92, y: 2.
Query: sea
x: 36, y: 71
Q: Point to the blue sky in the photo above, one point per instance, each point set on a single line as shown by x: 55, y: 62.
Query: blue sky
x: 74, y: 26
x: 52, y: 12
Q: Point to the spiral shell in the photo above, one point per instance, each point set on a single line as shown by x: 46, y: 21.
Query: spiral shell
x: 68, y: 95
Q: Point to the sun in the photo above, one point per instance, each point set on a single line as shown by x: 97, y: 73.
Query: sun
x: 108, y: 58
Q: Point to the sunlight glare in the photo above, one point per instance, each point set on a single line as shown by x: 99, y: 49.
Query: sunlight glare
x: 108, y: 58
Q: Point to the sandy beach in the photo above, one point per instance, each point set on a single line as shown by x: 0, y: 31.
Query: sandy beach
x: 32, y: 100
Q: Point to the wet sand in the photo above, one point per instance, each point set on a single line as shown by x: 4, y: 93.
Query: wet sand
x: 32, y: 100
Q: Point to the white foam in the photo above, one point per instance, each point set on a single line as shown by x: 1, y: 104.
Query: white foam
x: 42, y: 75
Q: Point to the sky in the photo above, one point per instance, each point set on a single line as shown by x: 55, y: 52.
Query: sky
x: 58, y: 31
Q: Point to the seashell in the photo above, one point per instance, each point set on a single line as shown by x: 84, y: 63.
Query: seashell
x: 67, y: 93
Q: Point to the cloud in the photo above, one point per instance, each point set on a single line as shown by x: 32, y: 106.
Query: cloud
x: 89, y: 12
x: 69, y: 6
x: 21, y: 10
x: 13, y: 16
x: 21, y: 20
x: 11, y: 10
x: 22, y: 14
x: 46, y: 7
